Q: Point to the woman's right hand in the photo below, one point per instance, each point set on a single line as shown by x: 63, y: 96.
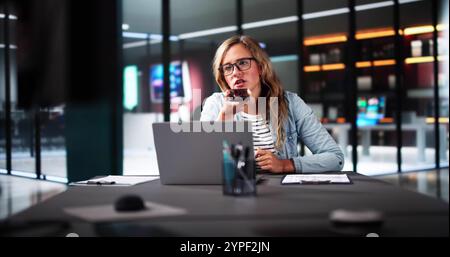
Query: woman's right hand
x: 229, y: 108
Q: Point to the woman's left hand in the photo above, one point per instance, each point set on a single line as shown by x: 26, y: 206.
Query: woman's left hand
x: 269, y: 161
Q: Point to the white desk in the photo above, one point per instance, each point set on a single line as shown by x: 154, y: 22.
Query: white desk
x: 341, y: 131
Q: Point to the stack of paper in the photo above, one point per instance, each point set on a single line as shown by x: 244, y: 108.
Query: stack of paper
x: 316, y: 179
x: 116, y: 180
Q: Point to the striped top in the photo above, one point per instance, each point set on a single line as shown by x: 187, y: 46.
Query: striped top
x: 262, y: 137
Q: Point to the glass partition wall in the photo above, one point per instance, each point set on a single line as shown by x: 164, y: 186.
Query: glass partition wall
x: 325, y: 83
x: 425, y: 85
x: 443, y: 79
x: 192, y: 45
x: 33, y: 136
x: 34, y: 139
x: 3, y: 168
x: 377, y: 100
x: 325, y: 51
x: 142, y: 75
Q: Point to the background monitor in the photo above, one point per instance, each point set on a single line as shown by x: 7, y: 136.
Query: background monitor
x: 130, y: 88
x: 179, y: 82
x: 370, y: 110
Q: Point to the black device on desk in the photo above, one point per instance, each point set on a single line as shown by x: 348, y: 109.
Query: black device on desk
x: 129, y: 203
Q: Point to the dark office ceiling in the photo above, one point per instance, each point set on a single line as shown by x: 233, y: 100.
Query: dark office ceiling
x: 194, y: 15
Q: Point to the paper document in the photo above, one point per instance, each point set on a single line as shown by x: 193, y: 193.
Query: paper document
x: 316, y: 179
x: 116, y: 181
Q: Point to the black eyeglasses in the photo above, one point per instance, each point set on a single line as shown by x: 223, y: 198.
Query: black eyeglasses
x: 242, y: 65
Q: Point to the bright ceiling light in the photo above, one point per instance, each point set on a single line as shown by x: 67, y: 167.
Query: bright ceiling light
x: 315, y: 15
x: 364, y: 7
x: 10, y: 46
x: 134, y: 44
x: 202, y: 33
x: 135, y: 35
x: 408, y: 1
x: 11, y: 16
x: 270, y: 22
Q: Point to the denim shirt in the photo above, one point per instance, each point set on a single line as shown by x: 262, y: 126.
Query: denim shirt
x: 300, y: 125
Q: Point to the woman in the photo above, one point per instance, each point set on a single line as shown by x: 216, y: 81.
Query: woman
x: 240, y: 63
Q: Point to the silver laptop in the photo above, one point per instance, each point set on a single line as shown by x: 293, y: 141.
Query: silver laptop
x: 191, y: 153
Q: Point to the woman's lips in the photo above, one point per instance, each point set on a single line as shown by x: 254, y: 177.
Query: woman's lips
x: 239, y: 83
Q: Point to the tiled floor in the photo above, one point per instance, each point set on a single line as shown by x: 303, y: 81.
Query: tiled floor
x: 432, y: 182
x: 17, y: 193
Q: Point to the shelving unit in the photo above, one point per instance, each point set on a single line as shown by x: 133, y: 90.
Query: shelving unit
x: 324, y: 66
x: 337, y: 42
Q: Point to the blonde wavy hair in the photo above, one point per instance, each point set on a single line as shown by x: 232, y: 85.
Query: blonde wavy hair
x: 270, y: 84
